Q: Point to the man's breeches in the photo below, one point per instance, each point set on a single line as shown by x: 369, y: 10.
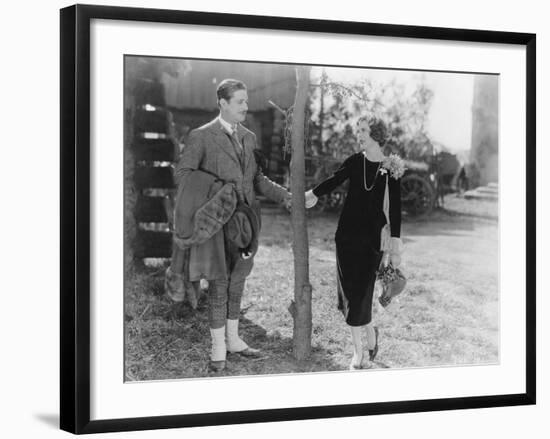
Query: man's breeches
x: 225, y: 295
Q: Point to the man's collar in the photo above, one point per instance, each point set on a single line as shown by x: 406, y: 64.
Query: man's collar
x: 226, y: 125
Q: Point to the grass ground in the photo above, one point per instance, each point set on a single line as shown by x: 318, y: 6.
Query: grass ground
x: 448, y: 314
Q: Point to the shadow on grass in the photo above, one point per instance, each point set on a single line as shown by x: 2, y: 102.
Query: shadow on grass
x: 166, y: 340
x: 322, y: 226
x: 442, y: 225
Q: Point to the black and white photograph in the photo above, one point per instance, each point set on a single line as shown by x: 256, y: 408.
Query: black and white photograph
x: 302, y: 219
x: 275, y: 219
x: 335, y: 219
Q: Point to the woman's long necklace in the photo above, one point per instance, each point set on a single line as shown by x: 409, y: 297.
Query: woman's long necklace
x: 367, y: 188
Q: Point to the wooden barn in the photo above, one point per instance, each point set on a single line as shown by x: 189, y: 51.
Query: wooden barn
x: 164, y: 100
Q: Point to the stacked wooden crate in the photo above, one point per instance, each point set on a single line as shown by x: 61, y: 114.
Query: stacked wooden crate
x: 154, y: 151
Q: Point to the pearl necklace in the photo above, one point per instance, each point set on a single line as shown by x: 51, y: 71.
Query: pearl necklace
x: 368, y: 189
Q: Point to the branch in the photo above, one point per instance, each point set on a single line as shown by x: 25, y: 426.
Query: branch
x: 277, y: 107
x: 342, y: 86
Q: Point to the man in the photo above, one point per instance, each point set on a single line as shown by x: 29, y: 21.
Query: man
x: 224, y: 148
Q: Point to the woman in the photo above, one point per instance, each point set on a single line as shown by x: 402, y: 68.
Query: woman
x: 374, y: 180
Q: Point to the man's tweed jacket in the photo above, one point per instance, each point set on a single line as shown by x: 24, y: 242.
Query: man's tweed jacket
x: 210, y: 149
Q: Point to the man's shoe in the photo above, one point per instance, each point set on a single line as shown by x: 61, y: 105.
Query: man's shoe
x: 216, y: 366
x: 248, y: 352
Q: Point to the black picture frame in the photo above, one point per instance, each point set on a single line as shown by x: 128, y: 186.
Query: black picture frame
x: 75, y: 217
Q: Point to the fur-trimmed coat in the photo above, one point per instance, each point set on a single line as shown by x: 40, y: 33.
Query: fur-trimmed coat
x: 203, y: 206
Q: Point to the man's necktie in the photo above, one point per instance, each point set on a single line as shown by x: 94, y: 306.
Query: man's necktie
x: 235, y: 137
x: 237, y: 145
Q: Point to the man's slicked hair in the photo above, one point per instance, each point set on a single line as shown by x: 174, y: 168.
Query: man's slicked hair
x: 228, y: 87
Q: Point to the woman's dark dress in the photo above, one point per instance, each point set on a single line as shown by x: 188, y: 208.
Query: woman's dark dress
x: 357, y: 237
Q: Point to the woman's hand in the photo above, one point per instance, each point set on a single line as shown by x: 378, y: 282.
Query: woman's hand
x: 311, y: 199
x: 396, y: 248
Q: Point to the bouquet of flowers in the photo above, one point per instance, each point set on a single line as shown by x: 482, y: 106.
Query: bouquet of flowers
x: 394, y: 165
x: 393, y: 282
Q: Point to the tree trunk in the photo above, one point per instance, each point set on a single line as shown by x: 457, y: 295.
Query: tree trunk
x: 300, y: 308
x: 322, y: 115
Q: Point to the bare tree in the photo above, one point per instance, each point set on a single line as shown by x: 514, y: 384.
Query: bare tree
x: 300, y: 308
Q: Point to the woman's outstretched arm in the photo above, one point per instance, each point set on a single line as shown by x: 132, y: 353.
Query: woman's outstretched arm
x: 335, y: 180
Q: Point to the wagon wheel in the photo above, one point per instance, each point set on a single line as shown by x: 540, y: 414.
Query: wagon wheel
x: 417, y: 195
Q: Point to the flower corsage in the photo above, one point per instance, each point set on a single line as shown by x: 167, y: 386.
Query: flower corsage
x: 394, y: 165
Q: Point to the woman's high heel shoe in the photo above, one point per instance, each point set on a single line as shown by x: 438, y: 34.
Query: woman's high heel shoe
x: 373, y: 352
x: 356, y: 363
x: 362, y: 364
